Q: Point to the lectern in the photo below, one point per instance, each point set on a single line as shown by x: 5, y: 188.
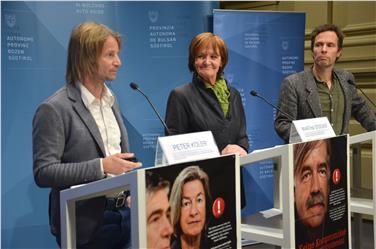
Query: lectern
x: 216, y: 205
x: 311, y: 199
x: 274, y: 231
x: 131, y: 181
x: 358, y: 205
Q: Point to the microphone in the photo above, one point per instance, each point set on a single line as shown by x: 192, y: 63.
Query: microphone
x: 255, y: 94
x: 360, y: 89
x: 135, y: 87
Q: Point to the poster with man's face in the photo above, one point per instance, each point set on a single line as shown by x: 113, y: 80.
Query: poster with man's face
x: 192, y: 204
x: 321, y: 193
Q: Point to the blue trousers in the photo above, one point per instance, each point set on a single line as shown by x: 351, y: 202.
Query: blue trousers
x: 115, y: 232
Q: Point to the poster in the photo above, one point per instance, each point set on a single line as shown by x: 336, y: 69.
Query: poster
x: 321, y: 194
x: 190, y: 202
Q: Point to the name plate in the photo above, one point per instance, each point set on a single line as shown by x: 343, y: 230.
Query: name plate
x: 186, y: 147
x: 310, y: 129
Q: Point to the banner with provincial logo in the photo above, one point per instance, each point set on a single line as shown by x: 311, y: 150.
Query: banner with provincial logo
x: 264, y: 47
x: 34, y: 41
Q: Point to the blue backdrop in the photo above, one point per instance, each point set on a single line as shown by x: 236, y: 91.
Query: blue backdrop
x: 264, y: 47
x: 34, y: 39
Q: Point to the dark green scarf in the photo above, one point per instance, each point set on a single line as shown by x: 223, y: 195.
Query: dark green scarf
x: 221, y: 92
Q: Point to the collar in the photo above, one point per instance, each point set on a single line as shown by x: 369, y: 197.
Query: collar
x: 317, y: 80
x: 89, y: 99
x: 334, y: 76
x: 200, y: 82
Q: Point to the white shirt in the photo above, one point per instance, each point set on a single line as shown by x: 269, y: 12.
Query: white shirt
x: 104, y: 118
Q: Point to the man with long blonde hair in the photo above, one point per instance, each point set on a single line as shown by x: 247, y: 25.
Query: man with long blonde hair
x: 79, y: 137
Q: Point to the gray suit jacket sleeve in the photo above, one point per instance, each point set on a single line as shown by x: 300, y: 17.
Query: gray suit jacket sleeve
x: 359, y: 108
x: 288, y: 103
x: 67, y: 145
x: 52, y: 167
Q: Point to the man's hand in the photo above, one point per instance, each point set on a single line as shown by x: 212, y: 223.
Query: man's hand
x: 233, y: 149
x: 118, y: 164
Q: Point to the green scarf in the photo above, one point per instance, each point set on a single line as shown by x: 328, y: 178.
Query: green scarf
x: 221, y: 92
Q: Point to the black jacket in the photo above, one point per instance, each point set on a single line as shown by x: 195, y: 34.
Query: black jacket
x: 193, y: 108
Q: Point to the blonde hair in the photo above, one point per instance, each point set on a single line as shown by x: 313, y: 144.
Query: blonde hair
x: 85, y: 46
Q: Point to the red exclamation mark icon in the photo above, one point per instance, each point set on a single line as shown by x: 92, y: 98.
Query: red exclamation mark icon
x: 336, y: 177
x: 218, y: 207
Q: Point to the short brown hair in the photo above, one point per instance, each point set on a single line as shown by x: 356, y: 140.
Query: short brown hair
x: 203, y: 40
x: 85, y: 46
x: 324, y: 28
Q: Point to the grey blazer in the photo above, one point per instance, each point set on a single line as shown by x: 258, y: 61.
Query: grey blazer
x: 67, y: 147
x: 299, y: 98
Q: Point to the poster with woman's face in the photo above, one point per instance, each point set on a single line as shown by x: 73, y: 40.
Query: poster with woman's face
x: 321, y: 193
x: 192, y: 205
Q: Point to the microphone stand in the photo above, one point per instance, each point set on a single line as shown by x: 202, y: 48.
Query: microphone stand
x: 255, y: 94
x: 134, y: 86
